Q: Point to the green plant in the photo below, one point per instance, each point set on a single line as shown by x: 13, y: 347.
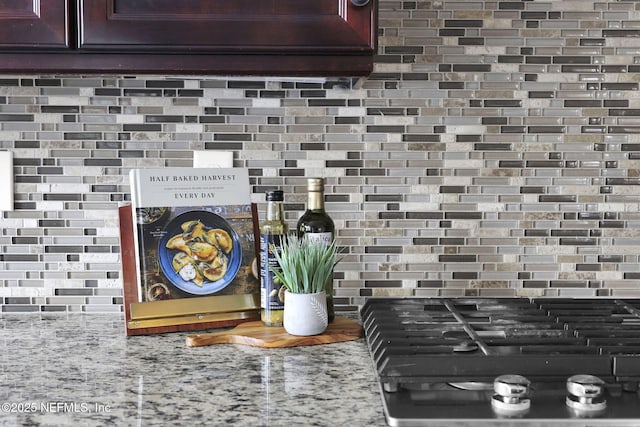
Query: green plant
x: 306, y: 266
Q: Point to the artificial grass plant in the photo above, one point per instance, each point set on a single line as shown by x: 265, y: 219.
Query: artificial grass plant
x: 306, y: 266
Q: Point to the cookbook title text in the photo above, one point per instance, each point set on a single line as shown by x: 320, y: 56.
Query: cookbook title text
x: 191, y: 178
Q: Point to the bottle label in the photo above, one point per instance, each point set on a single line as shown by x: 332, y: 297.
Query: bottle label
x: 325, y: 238
x: 271, y: 290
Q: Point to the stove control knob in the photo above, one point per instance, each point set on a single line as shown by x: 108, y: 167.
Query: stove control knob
x: 512, y: 394
x: 586, y: 393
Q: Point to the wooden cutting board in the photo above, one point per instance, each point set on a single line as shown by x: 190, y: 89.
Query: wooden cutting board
x: 257, y: 335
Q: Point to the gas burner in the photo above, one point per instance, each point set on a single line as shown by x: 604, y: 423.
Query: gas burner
x: 472, y: 386
x: 464, y: 347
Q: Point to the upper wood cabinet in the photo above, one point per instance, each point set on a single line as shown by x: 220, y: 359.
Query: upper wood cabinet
x: 34, y: 24
x: 220, y: 37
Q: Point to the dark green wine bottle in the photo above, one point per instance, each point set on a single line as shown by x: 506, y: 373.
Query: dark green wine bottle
x: 317, y: 225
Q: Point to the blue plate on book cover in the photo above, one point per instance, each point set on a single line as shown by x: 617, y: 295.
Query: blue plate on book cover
x: 194, y: 237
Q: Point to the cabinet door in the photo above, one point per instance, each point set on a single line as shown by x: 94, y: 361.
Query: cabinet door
x: 34, y: 24
x: 227, y: 26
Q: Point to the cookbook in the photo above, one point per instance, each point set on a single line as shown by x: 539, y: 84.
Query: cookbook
x: 194, y: 233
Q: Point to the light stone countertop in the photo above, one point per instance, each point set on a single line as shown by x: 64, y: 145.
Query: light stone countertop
x: 78, y: 369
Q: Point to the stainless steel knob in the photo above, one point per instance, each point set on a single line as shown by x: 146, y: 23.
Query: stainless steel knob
x: 512, y: 394
x: 586, y: 393
x: 511, y: 385
x: 360, y: 2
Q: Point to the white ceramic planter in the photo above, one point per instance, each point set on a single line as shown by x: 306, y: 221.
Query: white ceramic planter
x: 305, y: 314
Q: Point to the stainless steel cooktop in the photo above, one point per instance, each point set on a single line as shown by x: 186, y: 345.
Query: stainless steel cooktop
x: 510, y: 361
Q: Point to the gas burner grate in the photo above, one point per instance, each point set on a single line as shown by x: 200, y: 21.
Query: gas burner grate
x: 419, y: 340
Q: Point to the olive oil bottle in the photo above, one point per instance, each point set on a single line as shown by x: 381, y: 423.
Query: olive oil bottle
x: 317, y: 225
x: 273, y: 230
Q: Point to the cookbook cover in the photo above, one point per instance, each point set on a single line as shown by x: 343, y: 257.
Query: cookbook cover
x: 194, y: 232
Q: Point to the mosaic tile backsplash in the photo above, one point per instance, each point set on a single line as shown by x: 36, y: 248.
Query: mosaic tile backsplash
x: 494, y: 151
